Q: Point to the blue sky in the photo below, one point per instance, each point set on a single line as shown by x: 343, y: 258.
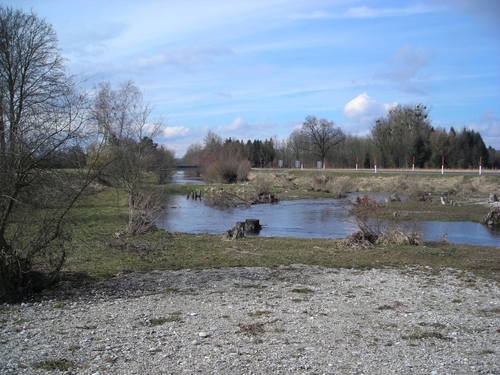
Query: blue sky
x: 255, y: 69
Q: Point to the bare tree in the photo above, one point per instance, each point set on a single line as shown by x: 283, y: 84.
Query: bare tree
x: 193, y: 154
x: 42, y: 114
x: 322, y: 134
x: 212, y: 143
x: 125, y: 123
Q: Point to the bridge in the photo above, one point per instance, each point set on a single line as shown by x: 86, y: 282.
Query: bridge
x: 183, y: 168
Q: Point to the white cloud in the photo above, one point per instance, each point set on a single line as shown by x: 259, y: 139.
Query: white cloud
x: 364, y: 110
x: 488, y: 115
x: 237, y: 125
x: 185, y: 58
x: 175, y: 131
x: 314, y: 15
x: 405, y: 65
x: 87, y: 38
x: 367, y: 12
x: 362, y: 12
x: 223, y: 94
x: 490, y: 133
x: 488, y: 127
x: 244, y: 130
x: 485, y: 10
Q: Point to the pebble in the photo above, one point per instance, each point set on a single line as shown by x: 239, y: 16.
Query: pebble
x: 257, y: 321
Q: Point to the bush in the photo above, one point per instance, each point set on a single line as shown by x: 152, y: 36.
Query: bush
x: 244, y: 167
x: 224, y: 166
x: 373, y: 229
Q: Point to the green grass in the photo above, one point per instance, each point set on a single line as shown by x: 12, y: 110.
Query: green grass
x: 98, y: 252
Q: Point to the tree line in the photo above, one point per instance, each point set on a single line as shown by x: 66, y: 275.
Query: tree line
x: 403, y: 138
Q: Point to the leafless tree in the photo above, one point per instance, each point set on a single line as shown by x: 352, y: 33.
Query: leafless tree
x: 322, y: 134
x: 212, y: 143
x: 42, y: 114
x: 296, y: 144
x: 124, y: 121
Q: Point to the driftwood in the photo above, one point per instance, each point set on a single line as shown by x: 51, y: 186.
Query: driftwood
x: 196, y: 194
x: 227, y: 198
x: 394, y: 198
x: 492, y: 219
x: 265, y: 198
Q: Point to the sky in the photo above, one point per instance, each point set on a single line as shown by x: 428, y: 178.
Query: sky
x: 256, y: 69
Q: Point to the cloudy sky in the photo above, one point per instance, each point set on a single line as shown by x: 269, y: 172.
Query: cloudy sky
x: 255, y: 69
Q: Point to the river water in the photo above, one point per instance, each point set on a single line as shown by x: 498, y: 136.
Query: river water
x: 305, y: 218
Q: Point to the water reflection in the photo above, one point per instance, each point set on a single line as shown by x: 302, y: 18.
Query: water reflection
x: 322, y: 218
x: 461, y: 233
x: 307, y: 218
x: 180, y: 178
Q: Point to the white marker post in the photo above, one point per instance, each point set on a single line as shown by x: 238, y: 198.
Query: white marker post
x: 356, y: 163
x: 375, y: 163
x: 480, y: 163
x: 442, y: 165
x: 413, y: 164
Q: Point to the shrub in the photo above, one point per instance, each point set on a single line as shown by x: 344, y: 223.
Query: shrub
x: 373, y: 229
x: 244, y: 167
x: 224, y: 166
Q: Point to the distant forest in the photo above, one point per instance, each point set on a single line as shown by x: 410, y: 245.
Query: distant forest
x: 401, y: 139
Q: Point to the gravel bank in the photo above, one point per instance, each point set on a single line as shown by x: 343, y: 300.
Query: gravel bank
x: 289, y: 320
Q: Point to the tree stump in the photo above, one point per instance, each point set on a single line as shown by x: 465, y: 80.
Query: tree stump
x: 252, y: 226
x: 239, y: 230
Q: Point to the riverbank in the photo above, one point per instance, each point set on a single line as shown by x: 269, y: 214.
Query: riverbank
x: 100, y: 250
x: 251, y: 320
x: 468, y: 195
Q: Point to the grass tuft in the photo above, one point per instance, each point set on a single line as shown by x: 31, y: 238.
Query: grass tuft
x: 54, y: 364
x: 251, y: 329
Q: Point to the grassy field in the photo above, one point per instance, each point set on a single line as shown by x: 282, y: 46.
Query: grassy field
x: 101, y: 251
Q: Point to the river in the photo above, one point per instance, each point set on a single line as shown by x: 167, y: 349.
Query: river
x: 306, y: 218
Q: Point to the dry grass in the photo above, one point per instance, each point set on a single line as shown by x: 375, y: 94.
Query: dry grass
x: 251, y: 329
x: 320, y: 183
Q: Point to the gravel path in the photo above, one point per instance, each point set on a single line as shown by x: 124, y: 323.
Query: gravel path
x: 288, y: 320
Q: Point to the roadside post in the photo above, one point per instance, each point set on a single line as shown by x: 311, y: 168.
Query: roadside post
x: 442, y: 165
x: 413, y: 164
x: 375, y: 163
x: 356, y: 163
x: 480, y: 164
